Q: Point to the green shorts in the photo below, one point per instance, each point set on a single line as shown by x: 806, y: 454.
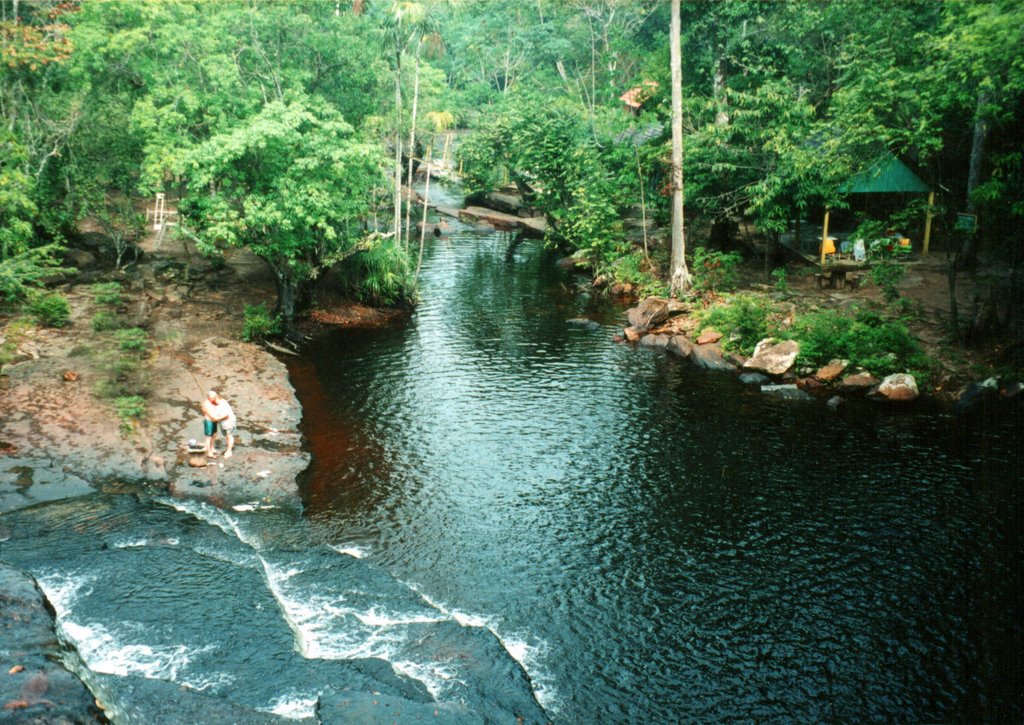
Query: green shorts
x: 209, y: 427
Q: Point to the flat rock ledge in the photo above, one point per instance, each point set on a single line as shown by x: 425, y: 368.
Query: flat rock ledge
x: 60, y: 440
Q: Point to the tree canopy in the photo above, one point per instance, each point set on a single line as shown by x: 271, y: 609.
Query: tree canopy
x: 290, y: 126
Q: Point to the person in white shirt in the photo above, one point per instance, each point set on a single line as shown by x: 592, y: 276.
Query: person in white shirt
x: 217, y: 413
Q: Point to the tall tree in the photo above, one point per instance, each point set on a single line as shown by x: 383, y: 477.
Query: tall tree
x: 679, y: 279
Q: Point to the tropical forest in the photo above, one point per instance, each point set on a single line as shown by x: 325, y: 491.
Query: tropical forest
x: 511, y: 361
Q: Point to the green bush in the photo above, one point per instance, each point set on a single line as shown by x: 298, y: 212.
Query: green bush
x: 107, y: 293
x: 887, y: 275
x: 104, y: 320
x: 50, y: 310
x: 259, y: 323
x: 129, y: 409
x: 633, y: 269
x: 133, y: 339
x: 867, y: 340
x: 781, y: 280
x: 715, y: 271
x: 744, y: 321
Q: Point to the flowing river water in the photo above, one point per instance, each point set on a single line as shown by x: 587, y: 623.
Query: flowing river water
x: 516, y: 512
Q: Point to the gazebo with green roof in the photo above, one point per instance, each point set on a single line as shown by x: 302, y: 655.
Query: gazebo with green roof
x: 887, y: 175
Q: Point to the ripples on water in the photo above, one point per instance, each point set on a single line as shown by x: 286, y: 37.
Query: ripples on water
x: 665, y: 544
x: 492, y: 488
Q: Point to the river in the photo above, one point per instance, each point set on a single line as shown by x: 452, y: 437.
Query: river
x: 513, y: 510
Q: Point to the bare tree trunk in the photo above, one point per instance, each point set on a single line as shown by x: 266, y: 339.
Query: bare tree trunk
x: 643, y: 203
x: 969, y: 251
x: 423, y: 228
x: 398, y: 148
x: 721, y: 102
x: 679, y: 281
x: 412, y: 142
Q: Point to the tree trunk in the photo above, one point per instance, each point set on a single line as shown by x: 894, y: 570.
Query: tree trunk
x: 680, y: 276
x: 969, y: 251
x: 287, y: 296
x: 398, y: 148
x: 721, y: 102
x: 412, y: 143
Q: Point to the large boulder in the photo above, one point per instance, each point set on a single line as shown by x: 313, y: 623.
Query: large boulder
x: 650, y: 312
x: 858, y: 383
x: 710, y: 358
x: 657, y: 341
x: 680, y: 345
x: 833, y: 370
x: 899, y: 388
x: 773, y: 358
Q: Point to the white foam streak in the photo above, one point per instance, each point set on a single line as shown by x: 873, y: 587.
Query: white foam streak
x: 293, y: 706
x: 355, y: 552
x: 214, y: 516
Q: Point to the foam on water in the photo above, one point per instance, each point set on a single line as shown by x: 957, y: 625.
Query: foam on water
x: 109, y: 653
x: 293, y: 706
x: 355, y: 552
x: 529, y: 656
x: 215, y: 516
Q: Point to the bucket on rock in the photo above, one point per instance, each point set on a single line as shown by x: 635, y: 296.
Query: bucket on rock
x: 196, y: 454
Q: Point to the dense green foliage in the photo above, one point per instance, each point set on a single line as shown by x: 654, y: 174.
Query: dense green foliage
x: 259, y: 323
x: 867, y: 340
x: 285, y: 125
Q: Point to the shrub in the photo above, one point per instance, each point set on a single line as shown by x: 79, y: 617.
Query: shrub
x: 868, y: 340
x: 887, y: 275
x: 781, y: 281
x: 259, y: 323
x: 745, y: 321
x: 129, y: 409
x: 133, y: 339
x: 50, y: 310
x: 715, y: 271
x: 104, y: 320
x: 633, y: 268
x: 107, y: 293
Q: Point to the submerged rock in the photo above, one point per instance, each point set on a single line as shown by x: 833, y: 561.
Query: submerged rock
x: 365, y: 708
x: 754, y: 378
x: 836, y: 402
x: 34, y: 688
x: 584, y: 322
x: 786, y: 392
x: 772, y: 357
x: 974, y: 395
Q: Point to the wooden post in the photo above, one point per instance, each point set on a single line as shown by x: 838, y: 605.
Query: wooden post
x: 824, y: 236
x: 928, y: 223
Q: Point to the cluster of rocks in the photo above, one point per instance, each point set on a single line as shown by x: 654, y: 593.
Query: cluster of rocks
x: 660, y: 323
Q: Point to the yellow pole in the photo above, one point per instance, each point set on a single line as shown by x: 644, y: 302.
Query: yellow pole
x: 824, y: 236
x: 928, y: 223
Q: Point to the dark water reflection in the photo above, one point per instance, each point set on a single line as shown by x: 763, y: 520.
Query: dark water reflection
x: 655, y: 542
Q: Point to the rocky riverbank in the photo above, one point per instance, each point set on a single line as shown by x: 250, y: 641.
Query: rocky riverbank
x: 676, y: 327
x: 60, y: 437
